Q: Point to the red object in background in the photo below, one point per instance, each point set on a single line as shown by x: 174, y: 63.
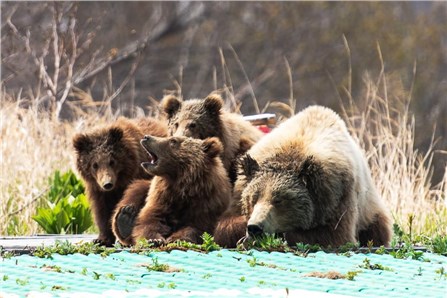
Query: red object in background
x: 264, y: 128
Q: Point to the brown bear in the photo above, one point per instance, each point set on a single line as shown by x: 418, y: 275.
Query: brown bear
x: 188, y: 193
x: 203, y: 118
x: 308, y: 180
x: 108, y: 159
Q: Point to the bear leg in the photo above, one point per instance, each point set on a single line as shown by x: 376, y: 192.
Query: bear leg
x: 230, y: 230
x: 378, y: 232
x: 189, y: 234
x: 127, y: 210
x: 124, y: 222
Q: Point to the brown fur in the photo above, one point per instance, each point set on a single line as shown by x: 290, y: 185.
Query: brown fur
x: 204, y: 118
x: 108, y: 159
x: 189, y: 192
x: 308, y: 180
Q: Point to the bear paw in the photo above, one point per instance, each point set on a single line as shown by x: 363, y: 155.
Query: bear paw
x: 156, y: 242
x: 104, y: 241
x: 125, y: 220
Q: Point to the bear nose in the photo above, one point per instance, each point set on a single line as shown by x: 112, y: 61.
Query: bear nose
x: 254, y: 230
x: 108, y: 186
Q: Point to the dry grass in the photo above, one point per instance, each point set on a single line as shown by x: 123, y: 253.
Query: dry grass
x: 383, y: 126
x: 33, y: 147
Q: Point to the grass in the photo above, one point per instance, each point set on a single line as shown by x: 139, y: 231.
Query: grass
x: 33, y: 148
x: 382, y: 124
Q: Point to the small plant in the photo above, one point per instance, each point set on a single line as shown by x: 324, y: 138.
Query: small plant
x: 172, y: 285
x: 5, y: 277
x: 22, y: 282
x: 442, y: 273
x: 350, y: 275
x: 407, y: 251
x: 110, y: 276
x: 252, y: 262
x: 268, y: 242
x: 5, y: 254
x: 367, y: 265
x: 439, y: 245
x: 381, y: 250
x: 419, y: 272
x: 53, y: 268
x: 206, y: 276
x: 242, y: 279
x: 133, y: 281
x: 156, y: 266
x: 57, y: 287
x: 208, y: 243
x: 307, y: 248
x: 96, y: 275
x: 68, y: 210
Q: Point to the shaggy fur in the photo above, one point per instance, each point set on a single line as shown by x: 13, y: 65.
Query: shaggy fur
x: 188, y: 193
x: 204, y: 118
x: 308, y: 180
x: 108, y: 159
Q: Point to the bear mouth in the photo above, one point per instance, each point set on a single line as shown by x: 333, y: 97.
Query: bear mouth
x: 153, y: 160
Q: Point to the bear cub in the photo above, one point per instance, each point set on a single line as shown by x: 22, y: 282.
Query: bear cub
x: 108, y: 159
x: 188, y: 193
x: 204, y: 118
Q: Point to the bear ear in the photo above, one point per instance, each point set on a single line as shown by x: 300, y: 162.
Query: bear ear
x: 115, y: 135
x: 249, y: 166
x: 212, y: 147
x: 170, y: 105
x: 82, y: 143
x: 310, y: 171
x: 213, y: 103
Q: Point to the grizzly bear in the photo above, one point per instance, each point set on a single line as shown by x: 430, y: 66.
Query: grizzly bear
x: 188, y: 193
x: 309, y: 181
x: 108, y: 159
x: 203, y: 118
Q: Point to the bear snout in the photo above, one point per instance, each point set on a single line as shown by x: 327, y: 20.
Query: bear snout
x: 108, y: 186
x: 106, y: 181
x: 146, y: 138
x: 255, y: 230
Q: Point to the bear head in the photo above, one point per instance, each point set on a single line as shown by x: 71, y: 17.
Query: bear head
x: 177, y: 157
x: 279, y: 196
x: 196, y: 118
x: 102, y: 157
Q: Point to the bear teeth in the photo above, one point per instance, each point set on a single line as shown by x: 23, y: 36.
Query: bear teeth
x: 152, y: 158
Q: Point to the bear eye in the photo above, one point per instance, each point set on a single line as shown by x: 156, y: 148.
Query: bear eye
x: 277, y: 201
x: 192, y: 125
x: 112, y: 163
x: 172, y: 142
x: 95, y: 166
